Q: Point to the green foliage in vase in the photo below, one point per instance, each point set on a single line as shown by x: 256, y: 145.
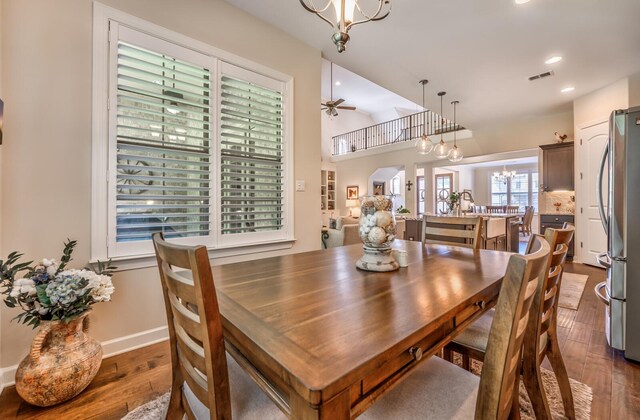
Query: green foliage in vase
x: 48, y: 291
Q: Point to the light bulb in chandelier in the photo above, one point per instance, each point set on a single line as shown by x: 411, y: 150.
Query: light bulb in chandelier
x: 424, y: 145
x: 441, y: 150
x: 455, y: 154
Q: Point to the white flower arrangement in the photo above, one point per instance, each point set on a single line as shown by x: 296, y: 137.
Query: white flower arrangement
x: 49, y: 291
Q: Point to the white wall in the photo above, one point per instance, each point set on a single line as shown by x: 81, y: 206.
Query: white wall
x: 46, y: 159
x: 345, y: 122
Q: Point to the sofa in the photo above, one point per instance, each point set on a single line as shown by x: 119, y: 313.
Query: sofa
x: 347, y: 232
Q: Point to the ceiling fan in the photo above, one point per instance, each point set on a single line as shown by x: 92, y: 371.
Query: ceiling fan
x: 331, y: 107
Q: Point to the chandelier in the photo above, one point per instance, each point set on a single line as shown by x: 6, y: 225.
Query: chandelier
x: 345, y: 15
x: 441, y: 149
x: 504, y: 176
x: 424, y: 145
x: 455, y: 154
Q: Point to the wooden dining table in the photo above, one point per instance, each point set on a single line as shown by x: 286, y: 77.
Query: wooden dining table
x: 325, y: 340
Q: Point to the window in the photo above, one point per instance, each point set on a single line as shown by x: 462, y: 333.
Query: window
x: 394, y: 185
x: 444, y: 183
x: 195, y: 147
x: 420, y: 194
x: 521, y: 191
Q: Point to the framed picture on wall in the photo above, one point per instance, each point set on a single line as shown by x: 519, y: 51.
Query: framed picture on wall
x: 378, y: 187
x: 352, y: 192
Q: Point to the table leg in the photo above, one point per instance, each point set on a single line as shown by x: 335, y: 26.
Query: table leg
x: 338, y: 408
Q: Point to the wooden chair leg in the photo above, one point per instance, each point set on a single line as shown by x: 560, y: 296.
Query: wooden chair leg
x: 175, y: 410
x: 555, y: 359
x: 447, y: 354
x: 466, y: 363
x: 532, y: 377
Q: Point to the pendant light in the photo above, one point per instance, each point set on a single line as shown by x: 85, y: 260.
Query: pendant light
x: 424, y: 145
x: 455, y: 154
x: 441, y: 149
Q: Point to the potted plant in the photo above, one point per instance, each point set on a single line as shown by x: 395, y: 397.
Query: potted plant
x: 63, y: 359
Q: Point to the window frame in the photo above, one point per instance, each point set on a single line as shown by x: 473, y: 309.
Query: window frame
x: 508, y: 192
x: 105, y: 105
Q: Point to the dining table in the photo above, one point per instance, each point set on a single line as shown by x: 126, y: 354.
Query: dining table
x: 325, y: 339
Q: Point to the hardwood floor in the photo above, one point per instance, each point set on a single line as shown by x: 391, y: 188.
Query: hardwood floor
x: 134, y: 378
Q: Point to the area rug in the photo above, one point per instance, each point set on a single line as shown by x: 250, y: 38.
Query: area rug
x: 571, y: 290
x: 582, y: 396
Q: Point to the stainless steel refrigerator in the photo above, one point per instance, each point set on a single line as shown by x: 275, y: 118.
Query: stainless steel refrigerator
x: 620, y: 214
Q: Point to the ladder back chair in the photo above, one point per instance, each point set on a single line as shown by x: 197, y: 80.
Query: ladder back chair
x: 438, y: 389
x: 542, y: 329
x: 542, y: 339
x: 495, y: 209
x: 450, y: 230
x: 206, y: 384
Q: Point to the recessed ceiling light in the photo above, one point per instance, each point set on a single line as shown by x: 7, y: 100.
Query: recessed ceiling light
x: 338, y: 83
x: 567, y: 89
x: 522, y: 1
x: 553, y: 59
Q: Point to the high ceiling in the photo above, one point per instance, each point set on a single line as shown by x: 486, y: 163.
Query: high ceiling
x: 360, y: 92
x: 480, y: 51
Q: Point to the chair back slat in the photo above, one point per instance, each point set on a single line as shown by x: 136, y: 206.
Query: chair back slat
x: 495, y: 209
x: 504, y: 347
x: 186, y: 319
x: 449, y: 230
x: 195, y: 329
x: 191, y: 350
x: 180, y: 286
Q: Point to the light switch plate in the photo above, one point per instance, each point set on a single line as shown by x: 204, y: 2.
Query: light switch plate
x: 300, y: 185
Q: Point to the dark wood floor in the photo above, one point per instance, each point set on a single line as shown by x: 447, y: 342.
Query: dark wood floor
x: 132, y: 379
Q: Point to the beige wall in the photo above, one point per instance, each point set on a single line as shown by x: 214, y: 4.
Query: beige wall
x: 524, y: 133
x: 46, y: 173
x: 2, y: 253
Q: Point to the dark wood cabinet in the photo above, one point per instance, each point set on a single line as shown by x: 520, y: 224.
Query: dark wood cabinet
x: 557, y: 167
x: 413, y: 230
x: 556, y: 222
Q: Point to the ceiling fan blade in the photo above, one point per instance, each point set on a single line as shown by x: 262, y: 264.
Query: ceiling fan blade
x: 349, y: 108
x: 338, y: 102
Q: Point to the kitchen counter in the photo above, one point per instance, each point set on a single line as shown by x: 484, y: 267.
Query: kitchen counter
x: 557, y: 213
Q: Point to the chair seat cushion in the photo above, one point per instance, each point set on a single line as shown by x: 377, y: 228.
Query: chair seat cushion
x: 476, y: 335
x: 248, y: 401
x: 436, y: 389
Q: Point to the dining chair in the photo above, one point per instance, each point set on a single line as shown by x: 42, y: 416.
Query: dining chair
x: 452, y: 230
x: 512, y: 209
x: 495, y: 209
x: 527, y: 219
x: 206, y: 382
x: 541, y: 331
x: 438, y: 389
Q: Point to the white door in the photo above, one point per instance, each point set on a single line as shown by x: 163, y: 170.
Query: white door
x: 593, y: 239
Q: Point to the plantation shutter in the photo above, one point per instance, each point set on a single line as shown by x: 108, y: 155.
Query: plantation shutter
x: 252, y: 158
x: 163, y: 142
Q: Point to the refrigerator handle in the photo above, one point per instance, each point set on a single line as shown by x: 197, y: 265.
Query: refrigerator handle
x: 599, y: 294
x: 603, y: 260
x: 603, y: 216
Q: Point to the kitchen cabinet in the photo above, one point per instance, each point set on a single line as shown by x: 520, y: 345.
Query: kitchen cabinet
x: 557, y: 167
x: 556, y: 222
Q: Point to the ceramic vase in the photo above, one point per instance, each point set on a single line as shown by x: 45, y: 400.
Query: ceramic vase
x: 62, y: 362
x: 377, y: 231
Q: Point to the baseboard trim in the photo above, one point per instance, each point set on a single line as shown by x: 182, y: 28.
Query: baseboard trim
x: 110, y: 348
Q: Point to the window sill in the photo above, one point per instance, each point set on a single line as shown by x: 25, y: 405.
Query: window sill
x: 137, y: 262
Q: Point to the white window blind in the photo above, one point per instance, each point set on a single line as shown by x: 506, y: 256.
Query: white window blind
x: 163, y: 146
x: 252, y: 158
